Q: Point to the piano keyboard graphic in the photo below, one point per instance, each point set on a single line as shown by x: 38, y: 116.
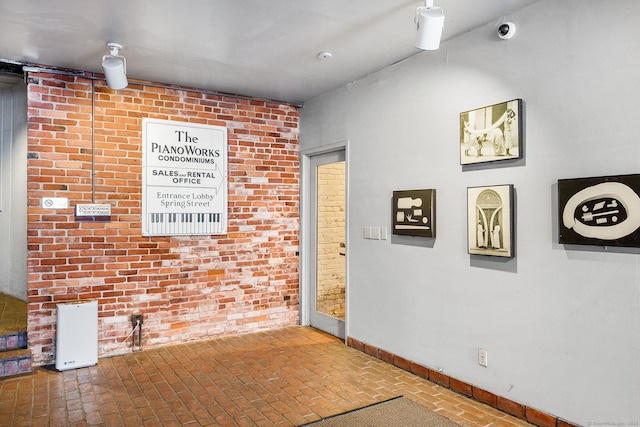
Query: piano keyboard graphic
x: 167, y: 224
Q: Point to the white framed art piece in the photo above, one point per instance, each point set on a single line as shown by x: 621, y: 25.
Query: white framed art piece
x: 490, y: 220
x: 184, y: 178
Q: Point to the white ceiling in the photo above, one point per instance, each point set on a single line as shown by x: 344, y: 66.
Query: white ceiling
x: 261, y: 48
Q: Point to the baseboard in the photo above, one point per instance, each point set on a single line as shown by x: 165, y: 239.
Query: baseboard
x: 515, y: 409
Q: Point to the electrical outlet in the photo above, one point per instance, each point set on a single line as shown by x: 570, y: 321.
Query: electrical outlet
x: 482, y: 357
x: 136, y: 319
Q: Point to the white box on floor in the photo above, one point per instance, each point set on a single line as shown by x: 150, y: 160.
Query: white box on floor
x: 77, y: 335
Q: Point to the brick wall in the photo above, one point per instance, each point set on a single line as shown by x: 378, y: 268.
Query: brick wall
x: 187, y: 287
x: 330, y: 280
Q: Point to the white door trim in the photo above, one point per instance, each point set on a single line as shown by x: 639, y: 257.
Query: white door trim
x: 305, y: 226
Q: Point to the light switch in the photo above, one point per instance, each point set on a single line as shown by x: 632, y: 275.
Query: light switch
x: 375, y: 233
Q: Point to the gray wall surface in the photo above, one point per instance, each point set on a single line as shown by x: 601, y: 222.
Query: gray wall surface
x: 561, y: 324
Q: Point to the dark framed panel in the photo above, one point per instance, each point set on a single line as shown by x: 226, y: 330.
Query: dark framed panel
x: 492, y: 133
x: 600, y: 211
x: 414, y: 213
x: 490, y: 213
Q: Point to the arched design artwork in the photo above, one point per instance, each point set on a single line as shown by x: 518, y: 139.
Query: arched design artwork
x: 490, y: 220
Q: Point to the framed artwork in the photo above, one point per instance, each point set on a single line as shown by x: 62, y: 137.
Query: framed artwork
x: 490, y: 220
x: 601, y: 211
x: 414, y: 213
x: 492, y: 133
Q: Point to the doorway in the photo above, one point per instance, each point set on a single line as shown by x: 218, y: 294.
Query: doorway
x: 13, y: 186
x: 325, y: 275
x: 13, y: 211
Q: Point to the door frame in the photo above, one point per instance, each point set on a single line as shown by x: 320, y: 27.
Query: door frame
x: 306, y: 229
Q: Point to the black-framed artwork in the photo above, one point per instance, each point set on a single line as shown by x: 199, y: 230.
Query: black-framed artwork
x: 490, y: 220
x: 600, y: 211
x: 492, y: 133
x: 414, y: 212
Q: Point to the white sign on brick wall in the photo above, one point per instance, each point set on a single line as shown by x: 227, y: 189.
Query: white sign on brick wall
x: 184, y: 178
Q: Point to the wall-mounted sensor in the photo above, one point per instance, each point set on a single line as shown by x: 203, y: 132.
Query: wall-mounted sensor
x: 506, y: 30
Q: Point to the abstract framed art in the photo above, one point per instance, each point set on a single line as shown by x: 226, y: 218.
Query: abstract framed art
x: 414, y: 213
x: 599, y: 211
x: 492, y: 133
x: 490, y: 219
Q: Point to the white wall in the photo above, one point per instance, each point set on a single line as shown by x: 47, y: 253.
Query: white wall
x: 13, y: 190
x: 561, y: 323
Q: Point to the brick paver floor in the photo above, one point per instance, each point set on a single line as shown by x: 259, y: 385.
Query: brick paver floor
x: 282, y: 377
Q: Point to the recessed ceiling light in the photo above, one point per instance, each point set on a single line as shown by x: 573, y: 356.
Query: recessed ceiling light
x: 325, y: 55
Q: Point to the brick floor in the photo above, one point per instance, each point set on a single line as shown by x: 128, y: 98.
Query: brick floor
x: 283, y: 377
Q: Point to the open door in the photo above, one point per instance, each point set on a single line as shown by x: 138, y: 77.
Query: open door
x: 327, y: 242
x: 13, y: 187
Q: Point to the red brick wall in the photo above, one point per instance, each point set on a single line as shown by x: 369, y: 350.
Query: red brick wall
x: 188, y: 287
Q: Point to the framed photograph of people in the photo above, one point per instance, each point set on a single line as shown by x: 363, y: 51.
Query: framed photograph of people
x: 600, y: 211
x: 414, y: 213
x: 490, y: 214
x: 492, y: 133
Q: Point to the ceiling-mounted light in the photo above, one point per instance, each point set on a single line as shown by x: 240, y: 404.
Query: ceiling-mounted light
x: 115, y: 67
x: 429, y: 22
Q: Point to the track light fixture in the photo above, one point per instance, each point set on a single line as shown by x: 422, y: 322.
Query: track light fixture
x: 115, y: 67
x: 429, y: 24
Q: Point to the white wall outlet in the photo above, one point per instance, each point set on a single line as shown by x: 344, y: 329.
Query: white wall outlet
x: 482, y: 357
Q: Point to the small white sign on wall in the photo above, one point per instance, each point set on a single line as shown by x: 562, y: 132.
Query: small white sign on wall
x: 184, y: 178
